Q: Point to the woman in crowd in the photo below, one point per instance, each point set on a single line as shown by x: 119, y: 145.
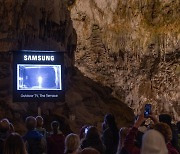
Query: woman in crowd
x: 93, y: 140
x: 55, y: 142
x: 153, y: 143
x: 122, y: 135
x: 14, y: 145
x: 166, y: 131
x: 83, y: 132
x: 110, y: 135
x: 72, y: 143
x: 129, y: 143
x: 166, y: 118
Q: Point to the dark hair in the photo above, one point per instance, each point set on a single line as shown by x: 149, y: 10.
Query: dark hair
x: 39, y: 120
x: 139, y: 137
x: 165, y: 130
x: 14, y: 145
x: 55, y: 126
x: 92, y: 133
x: 82, y: 131
x: 4, y: 125
x: 166, y: 118
x: 92, y: 139
x: 122, y: 135
x: 110, y: 121
x: 30, y: 123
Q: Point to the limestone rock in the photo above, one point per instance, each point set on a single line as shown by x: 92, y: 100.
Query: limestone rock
x: 47, y: 25
x: 89, y: 101
x: 132, y: 46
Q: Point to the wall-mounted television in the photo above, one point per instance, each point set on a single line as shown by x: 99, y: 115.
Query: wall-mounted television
x: 38, y: 76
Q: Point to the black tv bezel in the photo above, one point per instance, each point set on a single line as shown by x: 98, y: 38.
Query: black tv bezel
x: 18, y: 58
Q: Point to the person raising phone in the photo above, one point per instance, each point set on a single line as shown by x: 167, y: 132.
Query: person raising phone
x: 156, y: 139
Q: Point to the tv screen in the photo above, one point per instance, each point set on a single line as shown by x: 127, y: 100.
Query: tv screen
x: 38, y: 76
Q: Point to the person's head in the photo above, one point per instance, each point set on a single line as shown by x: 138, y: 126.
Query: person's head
x: 166, y: 118
x: 165, y: 130
x: 104, y: 126
x: 11, y: 128
x: 153, y: 142
x: 72, y: 143
x: 40, y: 121
x: 138, y: 140
x: 4, y: 125
x: 55, y: 127
x: 92, y: 133
x: 109, y: 120
x: 89, y: 151
x: 31, y: 123
x: 111, y: 124
x: 82, y: 131
x: 14, y: 144
x: 122, y: 135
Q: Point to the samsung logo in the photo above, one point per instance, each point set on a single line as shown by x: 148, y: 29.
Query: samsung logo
x: 38, y: 58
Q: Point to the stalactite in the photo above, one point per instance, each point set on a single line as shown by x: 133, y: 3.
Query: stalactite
x: 141, y: 31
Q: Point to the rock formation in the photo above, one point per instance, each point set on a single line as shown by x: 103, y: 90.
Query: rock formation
x: 132, y: 46
x: 47, y: 25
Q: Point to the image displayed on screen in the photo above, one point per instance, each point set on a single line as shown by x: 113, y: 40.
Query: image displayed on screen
x: 38, y: 77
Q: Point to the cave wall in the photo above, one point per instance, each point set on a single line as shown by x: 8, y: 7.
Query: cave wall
x: 47, y: 25
x: 132, y: 46
x: 39, y: 25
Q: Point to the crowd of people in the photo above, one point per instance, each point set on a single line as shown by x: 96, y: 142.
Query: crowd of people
x: 146, y: 136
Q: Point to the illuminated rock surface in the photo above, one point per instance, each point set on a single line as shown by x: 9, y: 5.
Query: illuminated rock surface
x: 132, y: 46
x: 46, y: 25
